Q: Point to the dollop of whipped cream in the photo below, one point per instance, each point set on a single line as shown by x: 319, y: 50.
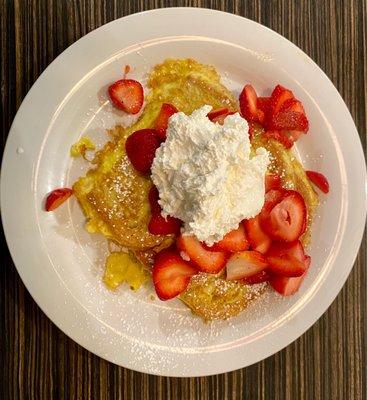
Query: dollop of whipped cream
x: 205, y: 174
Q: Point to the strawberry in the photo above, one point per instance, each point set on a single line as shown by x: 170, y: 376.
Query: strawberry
x: 281, y: 249
x: 219, y: 119
x: 205, y: 260
x: 289, y: 120
x: 286, y: 220
x: 56, y: 198
x: 248, y: 105
x: 292, y: 105
x: 141, y: 147
x: 233, y: 241
x: 272, y: 181
x: 280, y: 137
x: 272, y: 197
x: 288, y: 286
x: 158, y: 225
x: 153, y: 198
x: 278, y: 97
x: 245, y: 264
x: 258, y: 239
x: 319, y: 180
x: 285, y: 266
x: 127, y: 95
x: 262, y: 276
x: 161, y: 123
x: 217, y: 112
x: 171, y: 274
x: 263, y: 104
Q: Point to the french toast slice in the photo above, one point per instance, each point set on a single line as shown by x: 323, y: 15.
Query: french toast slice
x: 114, y: 197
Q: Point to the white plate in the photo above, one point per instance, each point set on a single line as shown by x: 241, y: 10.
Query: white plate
x: 61, y: 264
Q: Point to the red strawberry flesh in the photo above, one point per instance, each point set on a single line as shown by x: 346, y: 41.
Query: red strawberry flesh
x: 286, y: 220
x: 127, y: 95
x: 272, y: 181
x: 161, y: 123
x: 233, y: 241
x: 158, y: 225
x: 262, y: 276
x: 56, y: 198
x: 153, y: 198
x: 141, y: 147
x: 258, y: 239
x: 319, y: 180
x: 248, y: 105
x: 205, y: 260
x: 171, y: 274
x: 217, y: 112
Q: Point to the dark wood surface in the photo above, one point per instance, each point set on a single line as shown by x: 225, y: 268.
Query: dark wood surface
x: 39, y: 362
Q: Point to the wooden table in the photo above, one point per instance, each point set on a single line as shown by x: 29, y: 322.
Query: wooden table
x: 40, y: 362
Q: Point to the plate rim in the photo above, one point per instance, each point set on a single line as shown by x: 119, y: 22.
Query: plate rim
x: 5, y: 205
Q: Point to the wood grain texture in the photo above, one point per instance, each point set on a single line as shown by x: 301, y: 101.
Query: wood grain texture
x: 40, y: 362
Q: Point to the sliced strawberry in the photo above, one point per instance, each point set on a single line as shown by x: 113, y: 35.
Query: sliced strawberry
x: 287, y: 286
x: 248, y: 105
x: 278, y: 97
x: 289, y: 120
x: 171, y: 274
x: 244, y: 264
x: 284, y: 285
x: 272, y: 181
x: 217, y: 112
x: 56, y: 198
x: 233, y: 241
x: 262, y: 276
x: 263, y: 104
x: 272, y: 197
x: 153, y: 198
x: 280, y: 137
x: 319, y: 180
x: 286, y: 266
x: 258, y: 239
x: 286, y: 220
x: 141, y: 147
x: 158, y: 225
x: 281, y: 249
x: 292, y: 105
x: 161, y: 123
x: 127, y: 95
x: 205, y: 260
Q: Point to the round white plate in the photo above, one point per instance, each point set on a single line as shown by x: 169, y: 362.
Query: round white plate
x: 61, y: 264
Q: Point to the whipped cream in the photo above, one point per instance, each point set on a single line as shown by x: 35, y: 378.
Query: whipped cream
x: 205, y: 175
